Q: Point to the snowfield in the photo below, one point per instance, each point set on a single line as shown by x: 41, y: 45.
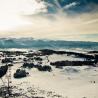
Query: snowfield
x: 65, y: 82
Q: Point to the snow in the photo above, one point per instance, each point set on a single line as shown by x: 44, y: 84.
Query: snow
x: 69, y: 82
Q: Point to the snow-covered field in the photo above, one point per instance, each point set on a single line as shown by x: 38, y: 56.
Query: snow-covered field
x: 68, y: 82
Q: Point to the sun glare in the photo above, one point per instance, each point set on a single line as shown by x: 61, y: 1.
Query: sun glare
x: 11, y: 22
x: 10, y: 13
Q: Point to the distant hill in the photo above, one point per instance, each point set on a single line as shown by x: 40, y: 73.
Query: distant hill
x: 42, y: 44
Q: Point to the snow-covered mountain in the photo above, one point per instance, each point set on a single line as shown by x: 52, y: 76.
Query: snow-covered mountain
x: 42, y: 44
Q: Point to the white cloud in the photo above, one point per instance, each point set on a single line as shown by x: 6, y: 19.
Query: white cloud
x: 70, y: 5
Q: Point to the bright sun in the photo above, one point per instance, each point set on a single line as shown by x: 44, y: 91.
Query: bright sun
x: 11, y: 10
x: 10, y: 22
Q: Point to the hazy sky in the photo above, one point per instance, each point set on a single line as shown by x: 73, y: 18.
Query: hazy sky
x: 69, y: 20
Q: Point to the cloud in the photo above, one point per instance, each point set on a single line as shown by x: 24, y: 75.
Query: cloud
x: 59, y: 25
x: 70, y: 5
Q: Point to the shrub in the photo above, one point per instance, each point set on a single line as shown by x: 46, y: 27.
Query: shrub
x: 7, y: 60
x: 9, y: 64
x: 45, y: 68
x: 38, y: 58
x: 20, y: 73
x: 28, y: 65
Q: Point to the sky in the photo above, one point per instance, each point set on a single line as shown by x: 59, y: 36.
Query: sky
x: 75, y: 20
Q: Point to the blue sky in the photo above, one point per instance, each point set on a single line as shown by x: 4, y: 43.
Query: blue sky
x: 75, y: 6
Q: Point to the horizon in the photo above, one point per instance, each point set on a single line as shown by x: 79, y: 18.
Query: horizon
x: 37, y: 39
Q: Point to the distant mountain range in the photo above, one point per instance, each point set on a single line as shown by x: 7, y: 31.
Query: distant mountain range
x: 43, y: 44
